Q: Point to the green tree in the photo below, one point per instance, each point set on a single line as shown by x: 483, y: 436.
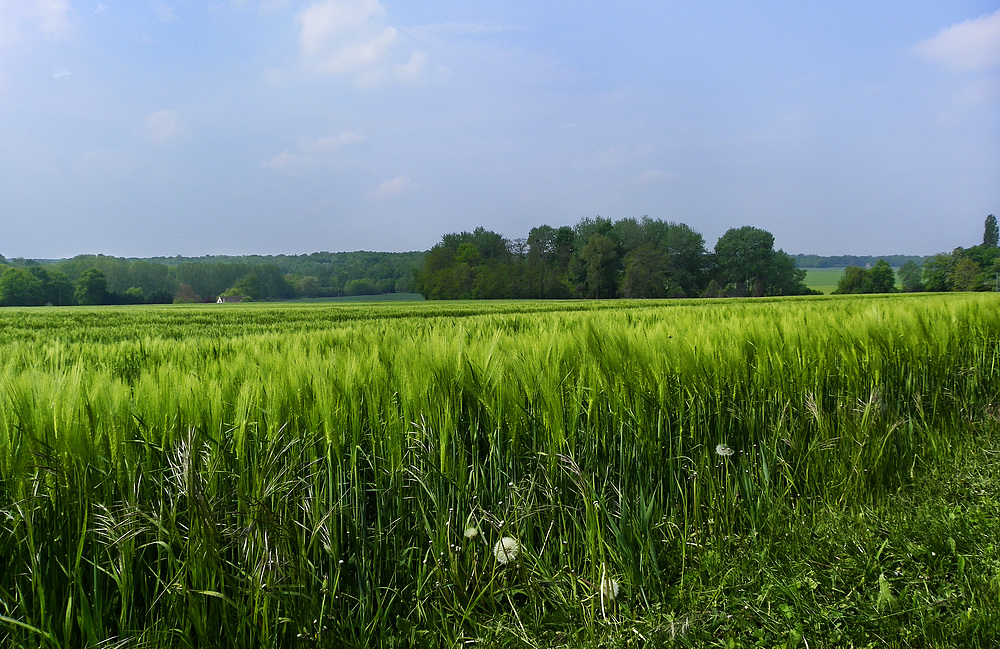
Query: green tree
x: 134, y: 295
x: 712, y: 290
x: 855, y: 280
x: 248, y: 286
x: 91, y: 287
x: 645, y: 274
x: 307, y: 286
x: 910, y: 276
x: 743, y: 255
x: 19, y: 287
x: 600, y: 257
x: 746, y: 258
x: 882, y: 277
x: 937, y: 272
x: 967, y: 275
x: 186, y: 295
x: 360, y: 287
x: 784, y: 277
x: 991, y: 236
x: 58, y: 289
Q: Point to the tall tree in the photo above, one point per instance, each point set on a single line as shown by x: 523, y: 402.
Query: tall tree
x: 967, y: 275
x: 882, y: 276
x: 744, y: 256
x: 19, y: 287
x: 937, y: 272
x: 854, y: 280
x: 910, y: 276
x: 644, y: 273
x: 991, y: 237
x: 600, y: 258
x: 92, y: 287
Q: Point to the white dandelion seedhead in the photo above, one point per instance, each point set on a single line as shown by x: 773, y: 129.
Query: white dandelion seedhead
x: 723, y: 450
x: 471, y: 533
x: 506, y: 550
x: 609, y: 588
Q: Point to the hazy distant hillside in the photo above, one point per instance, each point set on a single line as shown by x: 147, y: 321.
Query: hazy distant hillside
x: 840, y: 261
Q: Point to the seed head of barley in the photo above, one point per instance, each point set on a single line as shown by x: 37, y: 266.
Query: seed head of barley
x: 723, y: 450
x: 506, y: 550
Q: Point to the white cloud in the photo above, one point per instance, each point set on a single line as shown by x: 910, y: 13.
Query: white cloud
x: 396, y: 186
x: 313, y: 151
x: 324, y: 23
x: 20, y: 19
x: 165, y: 127
x: 350, y: 37
x: 163, y: 12
x: 970, y: 46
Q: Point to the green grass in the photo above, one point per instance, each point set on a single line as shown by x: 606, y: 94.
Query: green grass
x: 304, y: 475
x: 823, y: 279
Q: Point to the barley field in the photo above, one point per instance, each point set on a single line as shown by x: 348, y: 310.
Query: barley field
x: 814, y: 472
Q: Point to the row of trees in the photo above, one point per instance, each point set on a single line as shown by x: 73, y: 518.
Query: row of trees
x: 185, y: 279
x: 965, y: 269
x: 35, y: 286
x: 601, y: 258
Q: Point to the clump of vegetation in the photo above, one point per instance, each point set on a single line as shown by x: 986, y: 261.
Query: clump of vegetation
x: 814, y: 470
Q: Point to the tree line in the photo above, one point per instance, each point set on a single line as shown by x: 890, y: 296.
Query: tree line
x: 601, y: 258
x: 964, y: 269
x: 101, y: 279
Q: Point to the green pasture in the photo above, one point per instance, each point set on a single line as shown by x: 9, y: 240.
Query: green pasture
x: 826, y: 279
x: 823, y: 279
x: 792, y: 472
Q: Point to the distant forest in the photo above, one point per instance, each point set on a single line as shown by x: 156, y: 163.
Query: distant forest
x: 596, y: 258
x: 100, y: 279
x: 861, y: 261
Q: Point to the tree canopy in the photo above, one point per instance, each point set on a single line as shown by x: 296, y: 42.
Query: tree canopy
x: 601, y: 258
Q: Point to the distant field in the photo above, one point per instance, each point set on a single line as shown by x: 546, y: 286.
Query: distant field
x: 824, y: 279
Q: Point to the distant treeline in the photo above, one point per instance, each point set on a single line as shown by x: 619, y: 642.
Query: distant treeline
x: 100, y: 279
x: 601, y: 258
x: 861, y: 261
x: 976, y: 268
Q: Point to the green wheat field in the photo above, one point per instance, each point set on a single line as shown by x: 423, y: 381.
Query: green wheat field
x: 812, y: 472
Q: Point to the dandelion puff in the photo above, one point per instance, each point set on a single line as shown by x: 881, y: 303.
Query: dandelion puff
x: 609, y: 588
x: 471, y: 533
x: 723, y: 450
x: 506, y: 550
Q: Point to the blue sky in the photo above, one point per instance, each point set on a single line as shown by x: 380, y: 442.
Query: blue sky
x: 163, y: 127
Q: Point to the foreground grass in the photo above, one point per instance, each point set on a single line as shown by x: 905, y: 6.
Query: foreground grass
x: 815, y: 472
x: 919, y: 568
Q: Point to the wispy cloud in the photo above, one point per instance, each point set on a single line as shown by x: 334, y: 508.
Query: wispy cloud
x: 351, y: 38
x: 396, y: 186
x: 165, y: 127
x: 969, y: 46
x: 20, y: 19
x: 163, y: 12
x: 313, y: 151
